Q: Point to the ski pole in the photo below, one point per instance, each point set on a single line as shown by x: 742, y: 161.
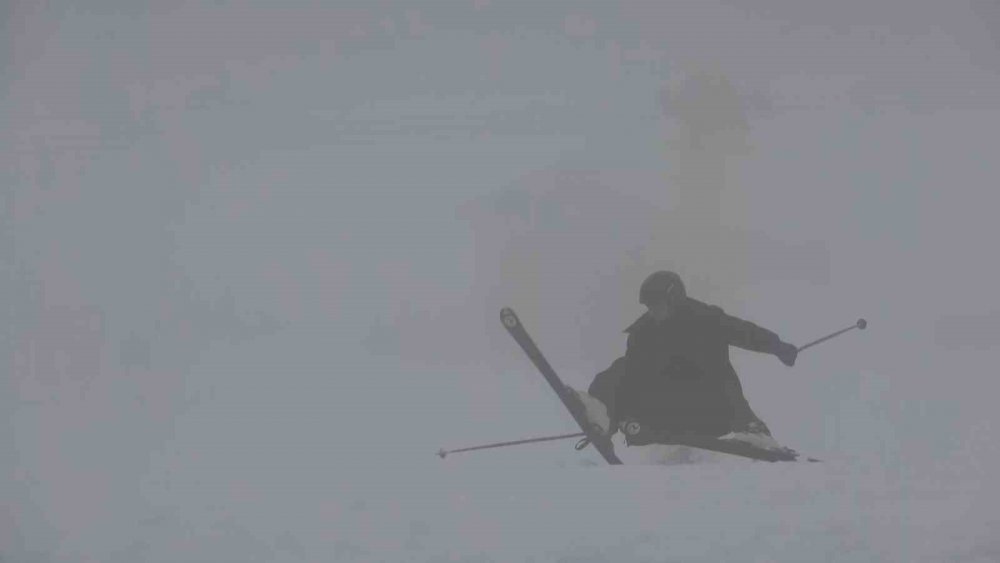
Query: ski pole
x: 861, y: 324
x: 443, y: 452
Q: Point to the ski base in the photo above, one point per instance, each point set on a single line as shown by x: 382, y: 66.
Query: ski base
x: 716, y: 444
x: 766, y: 449
x: 600, y: 442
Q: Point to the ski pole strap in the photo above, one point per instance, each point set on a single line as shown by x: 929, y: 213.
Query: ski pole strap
x: 443, y: 452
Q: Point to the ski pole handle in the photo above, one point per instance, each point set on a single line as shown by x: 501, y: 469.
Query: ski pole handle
x: 861, y: 325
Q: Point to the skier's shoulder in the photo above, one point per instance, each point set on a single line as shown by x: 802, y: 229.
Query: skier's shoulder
x: 700, y: 309
x: 642, y: 322
x: 691, y: 308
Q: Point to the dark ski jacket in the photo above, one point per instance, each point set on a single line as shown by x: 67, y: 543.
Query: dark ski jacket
x: 676, y: 375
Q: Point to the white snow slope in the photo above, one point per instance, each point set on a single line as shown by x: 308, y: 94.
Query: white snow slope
x: 843, y: 510
x: 202, y: 500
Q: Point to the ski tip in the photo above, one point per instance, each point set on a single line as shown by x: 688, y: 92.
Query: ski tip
x: 508, y: 317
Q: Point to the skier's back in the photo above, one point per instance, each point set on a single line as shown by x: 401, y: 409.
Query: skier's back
x: 676, y: 375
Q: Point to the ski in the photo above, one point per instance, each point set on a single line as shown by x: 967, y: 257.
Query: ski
x: 601, y: 443
x: 735, y: 447
x: 635, y: 435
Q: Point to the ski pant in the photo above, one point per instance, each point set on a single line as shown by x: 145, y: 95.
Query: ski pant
x: 714, y: 408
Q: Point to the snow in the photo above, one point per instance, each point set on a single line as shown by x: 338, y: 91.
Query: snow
x: 255, y: 469
x: 478, y: 509
x: 202, y: 497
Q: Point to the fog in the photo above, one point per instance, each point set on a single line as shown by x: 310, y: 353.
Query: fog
x: 243, y: 243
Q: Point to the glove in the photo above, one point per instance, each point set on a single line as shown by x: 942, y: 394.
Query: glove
x: 592, y: 409
x: 787, y: 353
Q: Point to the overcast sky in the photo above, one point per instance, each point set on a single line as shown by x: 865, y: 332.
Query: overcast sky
x: 231, y: 223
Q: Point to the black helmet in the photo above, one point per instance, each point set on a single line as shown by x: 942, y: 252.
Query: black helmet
x: 659, y: 285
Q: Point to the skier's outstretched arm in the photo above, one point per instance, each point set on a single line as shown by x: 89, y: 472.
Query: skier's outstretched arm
x: 749, y: 336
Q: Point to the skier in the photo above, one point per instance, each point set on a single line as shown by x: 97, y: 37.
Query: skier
x: 676, y: 376
x: 675, y: 384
